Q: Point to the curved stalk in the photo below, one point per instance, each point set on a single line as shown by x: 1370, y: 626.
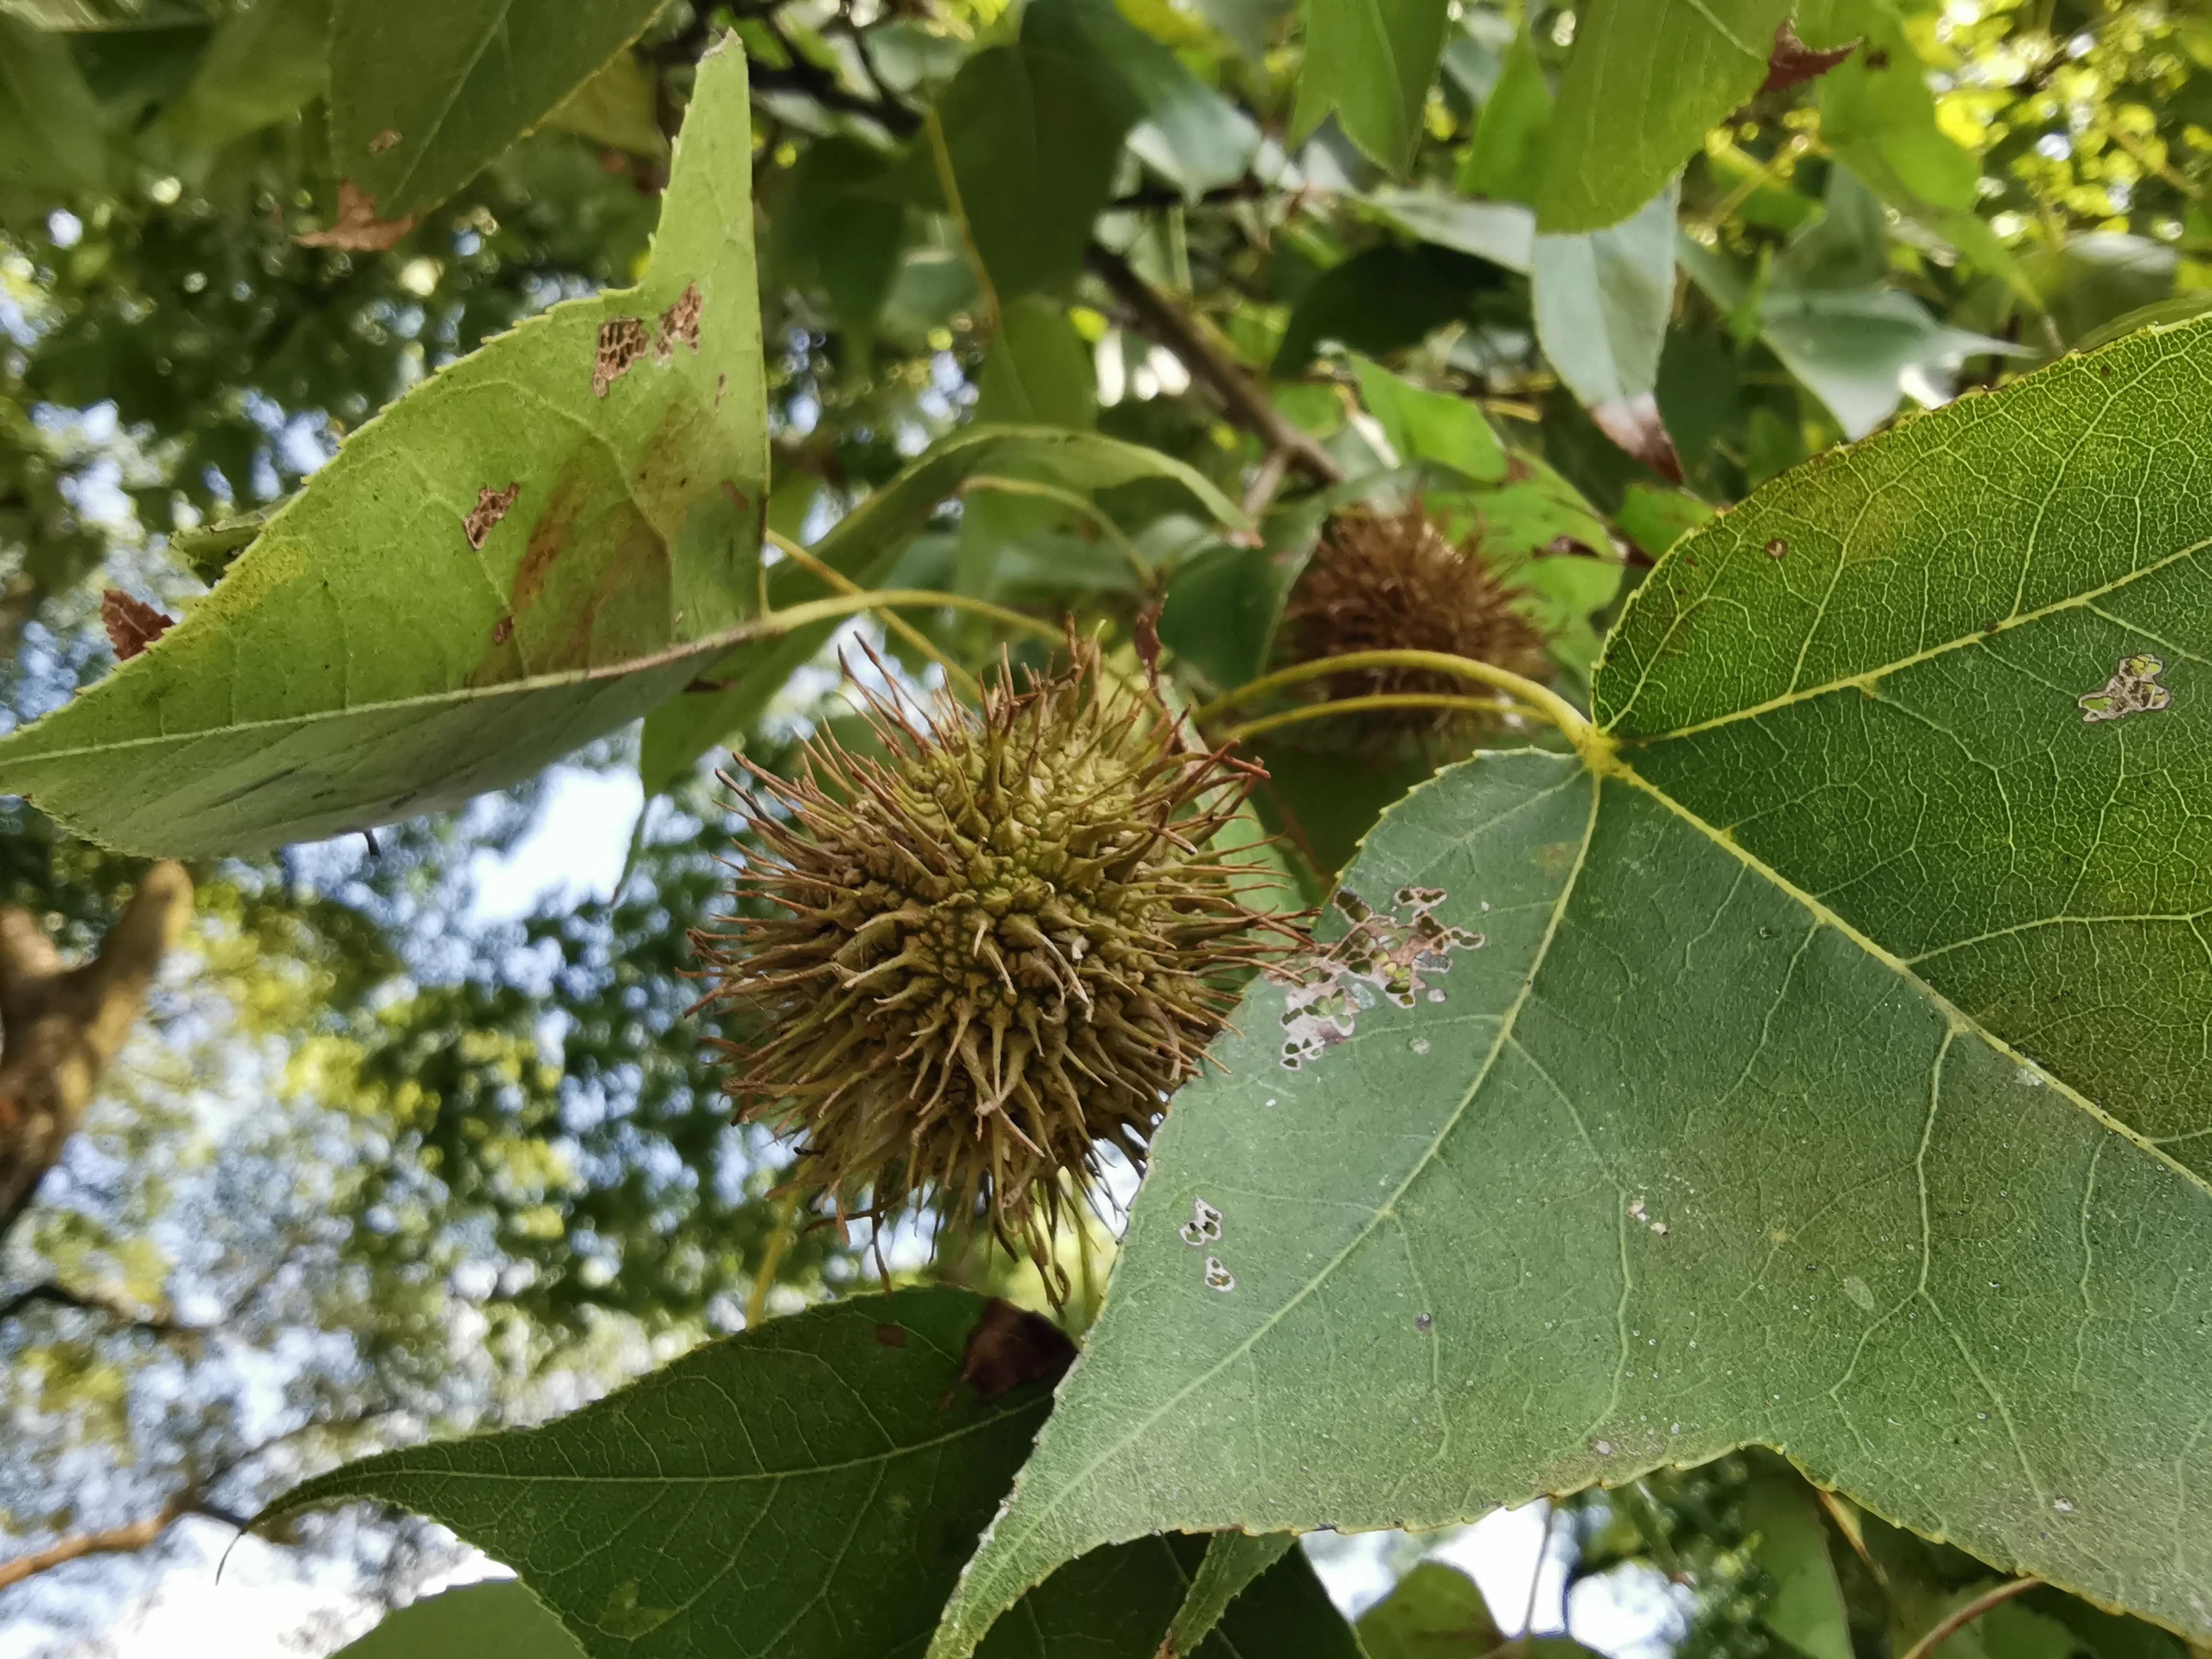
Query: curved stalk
x: 1074, y: 502
x: 1951, y: 1625
x: 955, y: 675
x: 1314, y: 711
x: 847, y: 605
x: 1538, y: 699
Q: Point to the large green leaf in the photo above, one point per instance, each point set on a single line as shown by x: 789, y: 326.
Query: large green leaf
x: 1647, y: 78
x: 423, y: 93
x: 496, y: 1620
x: 1371, y: 62
x: 263, y: 64
x: 1819, y: 1060
x: 810, y: 1488
x: 523, y: 553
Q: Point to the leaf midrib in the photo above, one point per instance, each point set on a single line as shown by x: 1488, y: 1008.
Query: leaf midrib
x: 1867, y: 678
x: 316, y: 1492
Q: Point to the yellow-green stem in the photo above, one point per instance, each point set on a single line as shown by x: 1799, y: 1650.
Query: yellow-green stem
x: 1315, y: 711
x: 1950, y: 1626
x: 958, y: 678
x: 778, y: 1241
x: 847, y: 605
x: 1538, y: 699
x: 948, y: 181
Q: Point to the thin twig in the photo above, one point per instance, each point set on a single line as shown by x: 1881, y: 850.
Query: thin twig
x: 955, y: 675
x: 1953, y: 1623
x: 1242, y: 398
x: 1536, y: 1577
x: 124, y: 1312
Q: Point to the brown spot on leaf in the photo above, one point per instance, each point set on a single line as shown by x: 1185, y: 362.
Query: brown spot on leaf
x: 679, y: 322
x: 358, y: 229
x: 622, y: 342
x: 132, y: 624
x: 548, y: 537
x: 1010, y: 1347
x: 891, y: 1336
x: 1777, y: 548
x: 1794, y: 63
x: 491, y: 506
x: 502, y: 630
x: 1634, y: 424
x: 722, y: 385
x: 386, y: 139
x: 1878, y: 59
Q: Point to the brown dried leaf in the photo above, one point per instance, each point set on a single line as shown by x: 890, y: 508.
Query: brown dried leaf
x: 1634, y: 424
x: 358, y: 229
x: 132, y: 624
x: 1794, y: 63
x: 1010, y: 1346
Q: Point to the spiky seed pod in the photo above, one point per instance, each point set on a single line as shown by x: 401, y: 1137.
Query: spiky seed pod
x: 1394, y: 582
x: 975, y: 960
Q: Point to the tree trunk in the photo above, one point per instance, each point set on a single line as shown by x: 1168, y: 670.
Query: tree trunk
x: 60, y: 1028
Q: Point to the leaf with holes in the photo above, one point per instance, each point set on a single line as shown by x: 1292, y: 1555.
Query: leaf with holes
x: 527, y: 551
x: 1814, y: 1056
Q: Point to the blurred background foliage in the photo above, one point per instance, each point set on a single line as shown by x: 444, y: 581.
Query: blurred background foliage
x: 382, y: 1162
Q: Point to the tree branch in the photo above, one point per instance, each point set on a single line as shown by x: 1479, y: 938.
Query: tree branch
x: 123, y: 1312
x: 61, y: 1028
x: 114, y: 1541
x: 1242, y: 398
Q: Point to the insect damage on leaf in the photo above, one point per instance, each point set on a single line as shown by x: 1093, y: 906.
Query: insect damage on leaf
x: 132, y: 624
x: 1386, y: 953
x: 2133, y: 689
x: 679, y: 323
x: 1008, y: 1347
x: 1793, y: 62
x: 623, y: 341
x: 357, y: 229
x: 383, y: 141
x: 1204, y: 1226
x: 491, y: 506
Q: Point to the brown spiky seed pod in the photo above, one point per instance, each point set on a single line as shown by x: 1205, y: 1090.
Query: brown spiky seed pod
x: 975, y: 960
x: 1394, y: 582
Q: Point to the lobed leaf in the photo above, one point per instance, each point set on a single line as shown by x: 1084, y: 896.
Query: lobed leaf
x: 1819, y: 1060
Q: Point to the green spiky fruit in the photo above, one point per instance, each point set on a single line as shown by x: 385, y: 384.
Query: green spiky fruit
x: 973, y: 961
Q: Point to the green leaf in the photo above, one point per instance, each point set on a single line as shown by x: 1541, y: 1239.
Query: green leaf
x: 364, y: 660
x: 97, y: 15
x: 423, y: 93
x: 1186, y: 132
x: 1233, y: 1560
x: 497, y: 1620
x: 836, y: 229
x: 1505, y: 162
x: 1601, y: 303
x: 1806, y: 1609
x: 1038, y: 371
x: 1433, y: 425
x: 616, y: 109
x: 1501, y: 232
x: 1646, y: 80
x: 862, y: 546
x: 1877, y: 876
x: 808, y: 1487
x: 1381, y: 300
x: 50, y: 124
x: 1033, y: 131
x: 1434, y: 1613
x: 1370, y: 61
x: 264, y: 63
x: 812, y: 1487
